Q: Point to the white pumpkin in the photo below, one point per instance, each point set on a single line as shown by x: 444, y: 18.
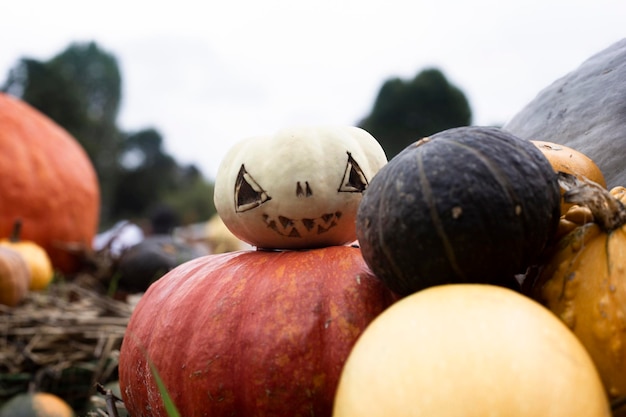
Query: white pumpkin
x: 299, y: 188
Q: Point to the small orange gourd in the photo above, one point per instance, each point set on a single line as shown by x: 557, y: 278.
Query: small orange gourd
x: 569, y: 160
x: 14, y: 277
x: 584, y: 279
x: 38, y: 404
x: 36, y: 257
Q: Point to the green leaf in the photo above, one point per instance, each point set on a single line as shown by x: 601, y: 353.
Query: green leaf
x: 170, y: 407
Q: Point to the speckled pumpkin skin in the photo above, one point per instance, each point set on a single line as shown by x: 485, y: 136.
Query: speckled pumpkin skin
x: 47, y: 181
x: 584, y: 109
x: 249, y: 333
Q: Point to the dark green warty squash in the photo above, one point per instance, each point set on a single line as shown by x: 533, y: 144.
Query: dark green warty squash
x: 469, y: 204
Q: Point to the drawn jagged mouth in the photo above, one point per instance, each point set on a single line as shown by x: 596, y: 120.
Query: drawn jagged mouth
x: 296, y: 228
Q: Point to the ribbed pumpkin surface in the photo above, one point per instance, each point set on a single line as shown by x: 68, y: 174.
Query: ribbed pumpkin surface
x: 249, y: 333
x: 47, y: 180
x: 470, y: 204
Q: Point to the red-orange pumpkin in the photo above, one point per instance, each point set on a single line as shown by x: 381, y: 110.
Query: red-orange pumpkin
x: 249, y: 333
x: 47, y: 180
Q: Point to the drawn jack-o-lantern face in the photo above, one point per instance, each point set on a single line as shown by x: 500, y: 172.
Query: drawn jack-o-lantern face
x: 297, y: 189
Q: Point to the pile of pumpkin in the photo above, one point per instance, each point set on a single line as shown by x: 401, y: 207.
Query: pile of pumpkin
x: 49, y: 207
x: 475, y: 273
x: 49, y: 200
x: 24, y: 266
x: 501, y: 258
x: 401, y: 287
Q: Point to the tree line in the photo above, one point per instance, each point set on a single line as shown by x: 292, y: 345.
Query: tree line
x: 81, y: 89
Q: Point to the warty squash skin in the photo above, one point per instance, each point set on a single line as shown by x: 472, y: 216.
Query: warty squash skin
x: 469, y: 350
x: 48, y: 181
x: 470, y: 204
x: 583, y: 281
x: 249, y: 333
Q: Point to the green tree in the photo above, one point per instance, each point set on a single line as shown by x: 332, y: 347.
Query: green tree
x: 193, y: 196
x: 151, y: 178
x: 405, y: 111
x: 147, y: 173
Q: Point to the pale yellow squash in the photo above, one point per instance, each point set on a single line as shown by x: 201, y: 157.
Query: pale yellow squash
x: 469, y: 350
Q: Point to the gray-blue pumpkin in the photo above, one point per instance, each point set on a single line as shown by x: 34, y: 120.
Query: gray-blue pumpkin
x: 585, y: 110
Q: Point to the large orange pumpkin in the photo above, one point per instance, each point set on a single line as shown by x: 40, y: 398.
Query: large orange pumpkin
x: 249, y: 333
x: 47, y: 180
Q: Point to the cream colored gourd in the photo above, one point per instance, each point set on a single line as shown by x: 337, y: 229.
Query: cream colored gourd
x: 298, y: 188
x: 470, y: 350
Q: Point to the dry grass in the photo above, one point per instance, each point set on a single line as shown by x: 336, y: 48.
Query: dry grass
x: 63, y: 340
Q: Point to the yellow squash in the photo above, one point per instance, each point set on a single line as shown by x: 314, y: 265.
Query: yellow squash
x: 471, y: 350
x: 36, y: 257
x: 584, y: 279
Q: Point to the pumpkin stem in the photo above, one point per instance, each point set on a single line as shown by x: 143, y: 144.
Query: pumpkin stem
x: 608, y: 212
x: 17, y: 231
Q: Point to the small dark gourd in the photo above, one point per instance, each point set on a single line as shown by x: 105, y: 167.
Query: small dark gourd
x: 469, y: 204
x: 142, y: 264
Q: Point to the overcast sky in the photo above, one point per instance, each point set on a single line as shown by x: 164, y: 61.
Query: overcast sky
x: 209, y: 73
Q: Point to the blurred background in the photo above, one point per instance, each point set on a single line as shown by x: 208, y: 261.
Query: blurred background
x: 157, y: 92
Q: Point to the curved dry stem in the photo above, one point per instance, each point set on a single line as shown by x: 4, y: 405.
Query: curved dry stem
x: 608, y: 212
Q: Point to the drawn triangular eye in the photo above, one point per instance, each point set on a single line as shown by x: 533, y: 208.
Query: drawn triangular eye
x: 353, y: 180
x: 248, y: 193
